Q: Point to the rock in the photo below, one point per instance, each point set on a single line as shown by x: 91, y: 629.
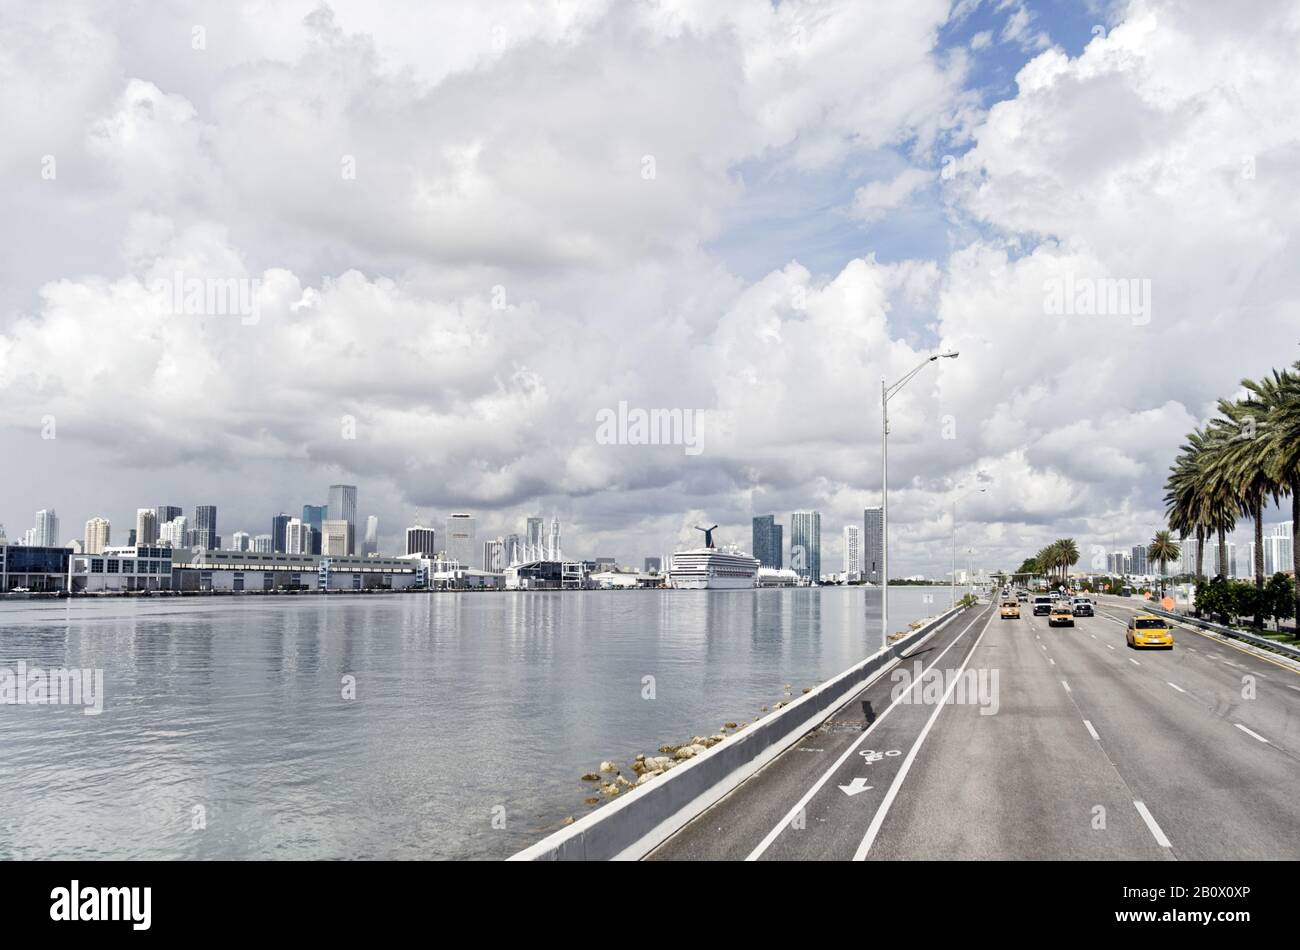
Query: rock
x: 807, y: 689
x: 622, y: 782
x: 610, y: 790
x: 567, y: 821
x: 591, y: 801
x: 688, y: 751
x: 718, y: 738
x: 659, y: 763
x: 781, y: 705
x: 728, y: 725
x: 638, y: 766
x: 647, y: 776
x: 640, y: 757
x: 668, y: 749
x: 590, y: 777
x: 608, y: 767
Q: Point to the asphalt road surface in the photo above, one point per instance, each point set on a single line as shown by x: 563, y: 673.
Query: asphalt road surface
x: 1077, y: 747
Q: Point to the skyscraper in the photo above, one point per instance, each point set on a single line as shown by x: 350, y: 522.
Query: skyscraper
x: 420, y: 540
x: 873, y: 543
x: 343, y: 506
x: 337, y: 537
x: 166, y: 514
x: 314, y: 515
x: 767, y: 541
x: 278, y: 526
x: 806, y: 545
x: 297, y: 537
x: 553, y: 551
x: 460, y: 538
x: 98, y: 534
x: 262, y: 544
x: 241, y: 541
x: 533, y: 536
x: 46, y: 532
x: 852, y: 552
x: 1138, y: 559
x: 146, y: 526
x: 514, y: 551
x: 494, y: 555
x: 205, y: 527
x: 371, y: 544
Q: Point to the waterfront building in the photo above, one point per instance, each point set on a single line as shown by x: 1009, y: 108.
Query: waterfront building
x: 873, y: 543
x: 767, y: 540
x: 852, y: 553
x: 336, y: 538
x: 174, y: 532
x: 314, y: 515
x: 249, y: 571
x: 776, y: 577
x: 806, y: 545
x: 34, y: 567
x: 460, y: 538
x: 343, y: 507
x: 494, y: 555
x: 205, y: 527
x: 98, y: 535
x: 421, y: 540
x: 130, y: 568
x: 146, y: 526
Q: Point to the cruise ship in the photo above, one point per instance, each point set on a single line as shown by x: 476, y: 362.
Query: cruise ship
x: 707, y: 568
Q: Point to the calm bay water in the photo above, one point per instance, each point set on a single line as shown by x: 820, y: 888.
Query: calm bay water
x: 228, y: 712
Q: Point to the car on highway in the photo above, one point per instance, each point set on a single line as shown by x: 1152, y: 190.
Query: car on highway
x: 1061, y: 616
x: 1022, y: 595
x: 1010, y: 610
x: 1148, y: 630
x: 1042, y: 606
x: 1082, y: 607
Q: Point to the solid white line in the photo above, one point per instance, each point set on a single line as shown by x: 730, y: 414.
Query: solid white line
x: 1134, y: 662
x: 870, y: 837
x: 808, y: 795
x: 1176, y: 686
x: 1252, y: 733
x: 1067, y: 686
x: 1151, y: 824
x: 1091, y: 731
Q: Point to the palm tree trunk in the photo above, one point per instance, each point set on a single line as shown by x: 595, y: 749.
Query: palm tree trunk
x: 1223, y: 553
x: 1259, y: 562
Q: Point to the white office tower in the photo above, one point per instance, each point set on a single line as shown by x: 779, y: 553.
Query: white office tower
x: 1278, y: 549
x: 371, y: 544
x: 553, y: 551
x: 98, y: 531
x: 241, y: 541
x: 46, y: 532
x: 146, y: 526
x: 263, y: 544
x: 297, y: 537
x: 174, y: 531
x: 494, y: 555
x: 336, y: 537
x: 460, y: 539
x: 852, y: 552
x: 421, y: 540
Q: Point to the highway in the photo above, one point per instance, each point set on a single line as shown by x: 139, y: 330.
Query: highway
x: 1092, y: 751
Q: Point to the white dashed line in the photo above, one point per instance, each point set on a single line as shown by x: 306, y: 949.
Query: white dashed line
x: 1175, y: 686
x: 1066, y: 685
x: 1109, y: 647
x: 1091, y: 731
x: 1252, y: 733
x: 1051, y: 661
x: 1134, y: 662
x: 1152, y: 826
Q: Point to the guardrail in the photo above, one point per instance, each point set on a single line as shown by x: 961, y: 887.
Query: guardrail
x: 634, y: 824
x: 1264, y: 642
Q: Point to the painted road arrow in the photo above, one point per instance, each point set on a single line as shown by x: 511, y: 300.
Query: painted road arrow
x: 857, y: 785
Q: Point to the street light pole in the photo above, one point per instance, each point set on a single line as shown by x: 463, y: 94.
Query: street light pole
x: 886, y: 393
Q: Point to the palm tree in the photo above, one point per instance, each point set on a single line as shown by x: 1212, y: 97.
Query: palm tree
x: 1068, y: 552
x: 1198, y: 498
x: 1280, y: 394
x: 1164, y: 549
x: 1245, y: 457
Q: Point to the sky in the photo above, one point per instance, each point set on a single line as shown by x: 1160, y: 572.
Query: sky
x: 425, y: 248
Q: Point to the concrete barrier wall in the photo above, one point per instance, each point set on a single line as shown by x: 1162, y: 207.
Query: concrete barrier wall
x: 638, y: 821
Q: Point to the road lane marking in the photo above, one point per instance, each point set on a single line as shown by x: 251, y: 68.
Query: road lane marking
x: 1109, y: 647
x: 879, y: 819
x: 1051, y: 661
x: 808, y: 795
x: 1176, y: 686
x: 1091, y: 731
x: 1134, y: 662
x: 1152, y: 826
x: 1066, y: 685
x: 855, y: 786
x: 1252, y: 733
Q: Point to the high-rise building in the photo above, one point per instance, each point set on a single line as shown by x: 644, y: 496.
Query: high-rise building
x: 263, y: 544
x: 460, y: 538
x: 852, y: 552
x: 1187, y: 561
x: 420, y: 540
x: 205, y: 527
x: 494, y: 555
x: 241, y: 541
x: 297, y: 537
x: 514, y: 552
x: 873, y: 543
x: 653, y: 565
x: 146, y: 526
x: 371, y: 544
x: 533, y: 536
x: 46, y: 532
x: 343, y: 506
x: 314, y: 515
x: 336, y: 537
x: 767, y: 541
x: 98, y: 535
x: 1279, y: 550
x: 174, y: 532
x: 130, y: 538
x: 553, y: 550
x: 806, y: 545
x: 279, y: 524
x: 166, y: 514
x: 1137, y: 559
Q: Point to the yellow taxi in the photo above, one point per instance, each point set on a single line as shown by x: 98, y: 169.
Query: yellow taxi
x: 1061, y: 616
x: 1010, y: 610
x: 1148, y: 630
